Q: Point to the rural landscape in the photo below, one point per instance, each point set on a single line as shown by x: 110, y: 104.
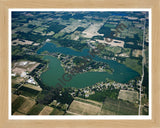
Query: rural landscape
x: 79, y: 63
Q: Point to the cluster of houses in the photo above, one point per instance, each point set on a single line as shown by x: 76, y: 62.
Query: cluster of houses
x: 87, y: 91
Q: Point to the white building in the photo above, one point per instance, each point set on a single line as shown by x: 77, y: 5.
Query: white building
x: 23, y: 74
x: 23, y: 63
x: 31, y: 81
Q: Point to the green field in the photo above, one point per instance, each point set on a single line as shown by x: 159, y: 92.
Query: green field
x: 17, y: 103
x: 28, y: 92
x: 133, y: 64
x: 119, y: 107
x: 57, y: 35
x: 89, y: 101
x: 57, y: 112
x: 113, y: 49
x: 36, y: 109
x: 39, y: 29
x: 110, y: 25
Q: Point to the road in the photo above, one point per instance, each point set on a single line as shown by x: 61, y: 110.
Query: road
x: 143, y: 61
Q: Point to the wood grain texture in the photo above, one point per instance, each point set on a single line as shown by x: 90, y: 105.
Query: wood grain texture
x: 6, y: 4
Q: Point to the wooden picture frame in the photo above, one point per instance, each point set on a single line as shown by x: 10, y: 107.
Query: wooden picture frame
x: 5, y: 122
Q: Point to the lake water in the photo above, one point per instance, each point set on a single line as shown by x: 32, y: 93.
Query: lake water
x: 121, y: 74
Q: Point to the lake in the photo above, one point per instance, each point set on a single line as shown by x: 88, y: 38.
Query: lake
x: 121, y: 74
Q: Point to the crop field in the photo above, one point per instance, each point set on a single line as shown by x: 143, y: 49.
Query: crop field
x: 17, y: 113
x: 113, y: 49
x: 81, y: 108
x: 46, y: 110
x: 107, y: 112
x: 33, y: 87
x: 118, y: 107
x: 36, y: 109
x: 74, y: 25
x: 133, y: 64
x: 39, y: 29
x: 24, y: 42
x: 14, y: 97
x: 92, y: 30
x: 17, y: 103
x: 89, y: 101
x: 25, y: 29
x: 36, y: 22
x: 131, y: 96
x: 26, y: 106
x: 57, y: 112
x: 115, y: 42
x: 110, y: 25
x: 29, y: 92
x: 60, y: 34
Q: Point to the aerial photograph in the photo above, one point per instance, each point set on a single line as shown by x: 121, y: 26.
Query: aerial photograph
x: 79, y: 63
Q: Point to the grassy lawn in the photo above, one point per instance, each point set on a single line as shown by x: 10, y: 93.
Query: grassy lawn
x: 36, y: 109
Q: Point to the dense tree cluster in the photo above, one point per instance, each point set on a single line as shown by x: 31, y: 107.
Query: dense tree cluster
x: 100, y: 96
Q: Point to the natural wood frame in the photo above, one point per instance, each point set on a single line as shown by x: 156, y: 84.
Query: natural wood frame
x: 6, y: 4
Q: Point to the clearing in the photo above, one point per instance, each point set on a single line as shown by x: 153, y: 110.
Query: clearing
x: 127, y: 95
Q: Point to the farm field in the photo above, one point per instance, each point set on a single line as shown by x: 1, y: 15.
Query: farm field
x: 82, y: 108
x: 18, y: 113
x: 89, y: 101
x: 14, y: 97
x: 57, y: 112
x: 131, y: 96
x: 28, y: 91
x: 24, y: 42
x: 17, y: 103
x: 133, y: 64
x: 26, y: 106
x: 46, y: 110
x: 36, y: 109
x: 118, y: 107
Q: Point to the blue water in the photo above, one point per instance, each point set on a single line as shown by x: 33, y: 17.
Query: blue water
x: 121, y: 74
x: 51, y: 48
